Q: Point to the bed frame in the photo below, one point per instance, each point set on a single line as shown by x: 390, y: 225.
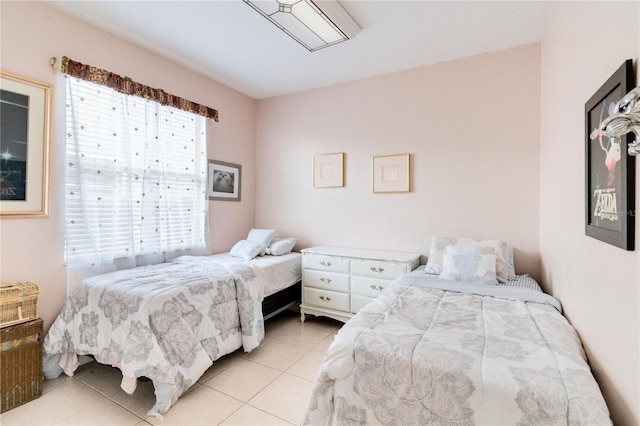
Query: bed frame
x: 274, y: 304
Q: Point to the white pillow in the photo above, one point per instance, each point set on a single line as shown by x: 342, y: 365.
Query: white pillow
x: 246, y: 249
x: 262, y: 236
x: 280, y: 246
x: 439, y: 245
x: 469, y: 264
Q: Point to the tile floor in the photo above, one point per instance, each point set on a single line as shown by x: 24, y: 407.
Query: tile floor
x: 269, y: 386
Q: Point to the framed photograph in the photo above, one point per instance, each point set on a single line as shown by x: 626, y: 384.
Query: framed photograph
x: 224, y: 181
x: 328, y: 170
x: 391, y: 173
x: 609, y: 170
x: 25, y: 144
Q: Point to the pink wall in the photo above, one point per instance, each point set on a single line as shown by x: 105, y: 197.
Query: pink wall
x: 471, y: 127
x: 31, y: 33
x: 598, y: 284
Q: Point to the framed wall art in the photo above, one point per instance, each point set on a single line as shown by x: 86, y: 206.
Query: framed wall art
x: 328, y: 170
x: 224, y: 181
x: 391, y: 173
x: 25, y: 145
x: 609, y: 170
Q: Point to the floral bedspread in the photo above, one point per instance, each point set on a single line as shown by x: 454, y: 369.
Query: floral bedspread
x: 167, y: 322
x: 427, y: 352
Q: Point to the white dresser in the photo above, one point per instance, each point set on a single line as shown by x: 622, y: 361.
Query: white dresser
x: 339, y: 281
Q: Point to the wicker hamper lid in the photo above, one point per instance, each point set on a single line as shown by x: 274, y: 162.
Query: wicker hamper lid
x: 18, y: 303
x: 17, y: 290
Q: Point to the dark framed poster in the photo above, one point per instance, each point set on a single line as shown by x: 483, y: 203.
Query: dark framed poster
x: 609, y: 170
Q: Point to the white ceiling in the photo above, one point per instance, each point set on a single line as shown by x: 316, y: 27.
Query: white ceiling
x: 231, y: 43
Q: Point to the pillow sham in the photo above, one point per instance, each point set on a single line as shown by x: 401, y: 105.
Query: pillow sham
x: 510, y: 269
x: 436, y: 253
x: 439, y: 245
x: 246, y: 249
x: 262, y: 236
x: 280, y: 246
x: 469, y: 264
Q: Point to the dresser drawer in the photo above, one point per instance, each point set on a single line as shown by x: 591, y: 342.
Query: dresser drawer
x: 371, y: 287
x: 373, y: 268
x: 326, y: 280
x: 358, y: 302
x: 325, y: 263
x: 326, y: 299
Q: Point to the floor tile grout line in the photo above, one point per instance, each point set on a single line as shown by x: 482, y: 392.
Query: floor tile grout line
x: 94, y: 388
x: 102, y: 396
x: 246, y: 404
x: 109, y: 397
x: 280, y: 373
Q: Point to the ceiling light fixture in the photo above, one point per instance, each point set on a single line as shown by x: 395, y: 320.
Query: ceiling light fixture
x: 305, y: 22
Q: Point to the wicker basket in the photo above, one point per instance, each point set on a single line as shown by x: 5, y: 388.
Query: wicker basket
x: 18, y: 303
x: 21, y: 364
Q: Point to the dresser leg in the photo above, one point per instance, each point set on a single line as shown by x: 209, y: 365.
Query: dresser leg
x: 302, y: 317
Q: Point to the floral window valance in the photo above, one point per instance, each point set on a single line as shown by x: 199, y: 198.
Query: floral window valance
x: 129, y: 87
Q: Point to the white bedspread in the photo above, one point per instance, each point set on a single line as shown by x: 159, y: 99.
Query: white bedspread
x: 422, y: 354
x: 167, y: 322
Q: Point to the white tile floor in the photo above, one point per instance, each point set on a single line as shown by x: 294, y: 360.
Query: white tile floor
x: 270, y: 386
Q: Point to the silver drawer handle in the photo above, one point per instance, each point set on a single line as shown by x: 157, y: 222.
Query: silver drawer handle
x: 327, y: 264
x: 375, y: 287
x: 325, y: 298
x: 374, y: 269
x: 326, y: 280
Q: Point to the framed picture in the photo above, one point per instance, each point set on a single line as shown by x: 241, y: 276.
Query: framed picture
x: 224, y: 181
x: 328, y: 170
x: 609, y: 170
x: 25, y: 144
x: 391, y: 173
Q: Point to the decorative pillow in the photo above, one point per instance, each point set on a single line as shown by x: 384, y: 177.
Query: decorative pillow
x: 436, y: 253
x: 439, y: 245
x: 469, y: 264
x: 262, y: 236
x: 280, y: 246
x: 246, y: 249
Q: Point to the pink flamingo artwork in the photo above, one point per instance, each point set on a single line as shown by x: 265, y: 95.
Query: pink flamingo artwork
x: 612, y: 148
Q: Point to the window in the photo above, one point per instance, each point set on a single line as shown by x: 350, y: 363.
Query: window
x: 135, y: 181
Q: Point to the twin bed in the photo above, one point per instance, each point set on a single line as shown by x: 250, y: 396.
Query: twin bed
x: 169, y: 322
x: 461, y: 341
x: 465, y: 351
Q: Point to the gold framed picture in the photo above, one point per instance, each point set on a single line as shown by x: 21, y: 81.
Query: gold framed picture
x: 25, y: 146
x: 391, y: 173
x: 328, y: 170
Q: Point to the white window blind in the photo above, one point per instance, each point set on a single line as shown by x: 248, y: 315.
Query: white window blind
x: 135, y: 181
